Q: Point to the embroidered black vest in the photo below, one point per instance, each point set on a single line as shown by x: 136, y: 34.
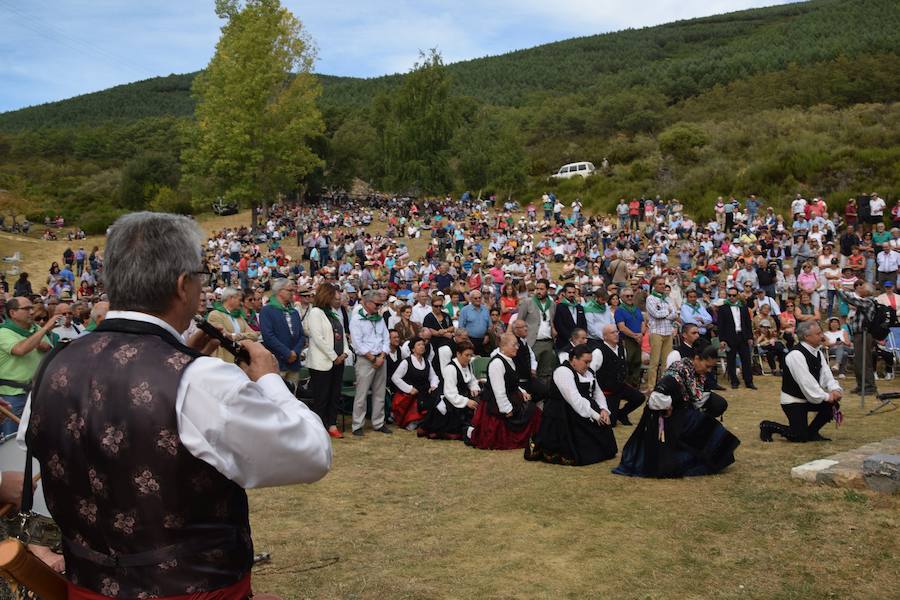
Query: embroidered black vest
x: 140, y: 516
x: 611, y: 374
x: 585, y: 388
x: 462, y: 389
x: 789, y: 385
x: 416, y: 377
x: 523, y: 361
x: 510, y: 383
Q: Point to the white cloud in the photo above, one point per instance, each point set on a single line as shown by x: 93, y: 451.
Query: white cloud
x: 51, y: 49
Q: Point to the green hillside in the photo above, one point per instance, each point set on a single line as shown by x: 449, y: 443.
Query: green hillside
x: 678, y: 109
x: 681, y: 60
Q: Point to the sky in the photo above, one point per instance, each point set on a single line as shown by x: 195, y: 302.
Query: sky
x: 55, y: 49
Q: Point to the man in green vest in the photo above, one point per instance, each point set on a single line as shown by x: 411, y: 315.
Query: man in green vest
x: 22, y: 345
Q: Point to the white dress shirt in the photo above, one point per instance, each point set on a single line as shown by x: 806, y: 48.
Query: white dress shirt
x: 254, y: 433
x: 596, y: 358
x: 736, y: 316
x: 403, y: 367
x: 814, y: 391
x: 368, y: 336
x: 564, y: 379
x: 532, y: 358
x: 419, y: 312
x: 496, y: 372
x: 451, y: 384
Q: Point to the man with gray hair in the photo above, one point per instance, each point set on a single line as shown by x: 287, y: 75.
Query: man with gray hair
x: 146, y: 444
x: 806, y: 386
x: 863, y: 342
x: 282, y: 329
x: 371, y: 344
x: 98, y: 315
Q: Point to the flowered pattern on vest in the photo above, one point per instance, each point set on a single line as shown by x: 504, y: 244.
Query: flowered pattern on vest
x: 117, y: 478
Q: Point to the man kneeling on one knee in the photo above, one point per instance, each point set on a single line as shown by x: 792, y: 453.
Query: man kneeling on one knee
x: 807, y: 386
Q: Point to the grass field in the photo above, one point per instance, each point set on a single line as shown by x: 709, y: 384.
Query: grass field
x: 402, y: 517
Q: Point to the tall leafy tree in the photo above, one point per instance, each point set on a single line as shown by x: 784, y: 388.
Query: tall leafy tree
x: 256, y: 109
x: 414, y: 126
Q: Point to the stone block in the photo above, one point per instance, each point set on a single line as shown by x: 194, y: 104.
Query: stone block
x: 843, y: 474
x: 882, y: 473
x: 808, y: 471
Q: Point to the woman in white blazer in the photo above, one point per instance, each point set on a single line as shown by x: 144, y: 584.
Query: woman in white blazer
x: 326, y: 355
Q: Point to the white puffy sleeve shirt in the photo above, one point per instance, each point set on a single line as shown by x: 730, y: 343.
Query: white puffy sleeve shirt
x: 254, y: 433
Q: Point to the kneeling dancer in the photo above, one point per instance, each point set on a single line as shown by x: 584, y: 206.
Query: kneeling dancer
x: 612, y: 370
x: 505, y: 418
x: 807, y: 385
x: 575, y: 426
x: 416, y: 382
x: 691, y: 343
x: 452, y: 416
x: 674, y: 438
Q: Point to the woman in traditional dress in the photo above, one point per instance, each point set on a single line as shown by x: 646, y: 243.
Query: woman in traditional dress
x: 452, y: 416
x: 505, y: 418
x: 575, y: 426
x: 674, y: 439
x: 416, y: 382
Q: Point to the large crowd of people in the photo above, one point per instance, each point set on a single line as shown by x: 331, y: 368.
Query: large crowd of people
x: 539, y: 328
x: 325, y: 292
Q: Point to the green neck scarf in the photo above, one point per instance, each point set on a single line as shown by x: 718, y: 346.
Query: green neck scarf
x: 595, y: 307
x: 90, y: 326
x: 730, y: 303
x: 659, y: 295
x: 330, y: 312
x: 544, y: 306
x: 629, y: 307
x: 374, y: 318
x: 273, y: 301
x: 10, y: 324
x: 695, y: 307
x: 567, y: 303
x: 236, y: 313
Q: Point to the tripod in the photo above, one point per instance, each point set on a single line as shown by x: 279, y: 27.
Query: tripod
x: 885, y: 400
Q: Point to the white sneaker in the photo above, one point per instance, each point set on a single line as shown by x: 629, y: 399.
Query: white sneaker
x: 842, y: 376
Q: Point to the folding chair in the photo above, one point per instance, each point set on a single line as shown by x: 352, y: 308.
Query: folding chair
x: 759, y: 359
x: 348, y: 393
x: 893, y: 345
x: 479, y: 367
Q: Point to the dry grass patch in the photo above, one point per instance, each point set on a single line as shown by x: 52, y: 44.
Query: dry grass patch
x: 411, y: 518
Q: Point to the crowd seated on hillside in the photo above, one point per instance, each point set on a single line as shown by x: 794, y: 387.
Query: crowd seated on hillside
x: 536, y: 326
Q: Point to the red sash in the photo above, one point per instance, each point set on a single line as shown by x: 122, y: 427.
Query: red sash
x: 238, y: 591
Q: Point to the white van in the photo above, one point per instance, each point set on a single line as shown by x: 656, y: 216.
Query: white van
x: 582, y: 169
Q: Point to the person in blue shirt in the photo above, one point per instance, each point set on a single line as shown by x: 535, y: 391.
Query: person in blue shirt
x: 631, y: 325
x: 67, y: 274
x: 475, y: 318
x: 282, y: 331
x: 692, y: 311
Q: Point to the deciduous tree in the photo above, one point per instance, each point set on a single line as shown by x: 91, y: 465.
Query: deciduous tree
x: 256, y: 106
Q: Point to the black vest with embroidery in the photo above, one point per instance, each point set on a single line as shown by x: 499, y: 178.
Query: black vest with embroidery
x: 140, y: 516
x: 416, y: 377
x: 462, y: 388
x: 510, y: 383
x: 585, y: 388
x: 611, y: 374
x: 523, y: 361
x: 789, y: 385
